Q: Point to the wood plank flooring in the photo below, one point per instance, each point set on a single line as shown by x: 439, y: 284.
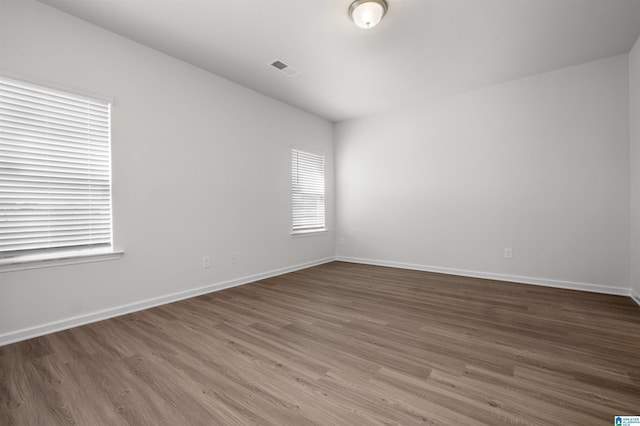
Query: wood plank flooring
x: 339, y: 344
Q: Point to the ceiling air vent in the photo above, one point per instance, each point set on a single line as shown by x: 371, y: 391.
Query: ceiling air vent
x: 281, y: 66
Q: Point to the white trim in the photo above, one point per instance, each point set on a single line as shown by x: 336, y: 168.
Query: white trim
x: 52, y: 327
x: 309, y: 232
x: 571, y: 285
x: 62, y: 259
x: 634, y: 296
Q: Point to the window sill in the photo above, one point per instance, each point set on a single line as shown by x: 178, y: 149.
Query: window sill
x: 57, y: 259
x: 309, y: 233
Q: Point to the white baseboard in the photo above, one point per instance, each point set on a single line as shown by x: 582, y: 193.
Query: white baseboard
x: 65, y: 324
x: 571, y: 285
x: 52, y: 327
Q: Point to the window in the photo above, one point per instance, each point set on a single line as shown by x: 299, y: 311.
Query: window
x: 55, y: 173
x: 307, y: 191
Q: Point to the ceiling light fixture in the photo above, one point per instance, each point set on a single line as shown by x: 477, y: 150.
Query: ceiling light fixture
x: 367, y: 13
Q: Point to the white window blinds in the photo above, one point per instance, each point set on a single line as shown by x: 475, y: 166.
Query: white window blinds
x: 55, y: 179
x: 307, y: 191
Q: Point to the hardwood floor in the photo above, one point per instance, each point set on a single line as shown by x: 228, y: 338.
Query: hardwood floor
x: 339, y: 344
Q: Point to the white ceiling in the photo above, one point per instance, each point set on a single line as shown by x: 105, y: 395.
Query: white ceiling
x: 421, y: 49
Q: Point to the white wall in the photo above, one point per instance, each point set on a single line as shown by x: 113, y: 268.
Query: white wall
x: 539, y: 165
x: 201, y: 166
x: 634, y: 137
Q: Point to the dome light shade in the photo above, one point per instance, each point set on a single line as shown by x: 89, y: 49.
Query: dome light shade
x: 367, y: 13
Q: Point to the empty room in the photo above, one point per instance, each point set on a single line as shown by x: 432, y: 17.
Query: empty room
x: 330, y: 212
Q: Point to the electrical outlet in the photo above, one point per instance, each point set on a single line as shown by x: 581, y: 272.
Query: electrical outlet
x: 508, y: 253
x: 234, y: 257
x: 206, y: 262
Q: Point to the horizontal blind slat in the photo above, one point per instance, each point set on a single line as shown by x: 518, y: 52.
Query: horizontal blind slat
x: 45, y: 229
x: 51, y: 146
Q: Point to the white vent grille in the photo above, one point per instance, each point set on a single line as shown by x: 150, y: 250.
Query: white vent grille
x: 284, y: 68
